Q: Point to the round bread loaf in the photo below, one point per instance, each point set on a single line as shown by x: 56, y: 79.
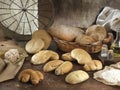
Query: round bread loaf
x: 43, y: 34
x: 97, y: 32
x: 66, y: 33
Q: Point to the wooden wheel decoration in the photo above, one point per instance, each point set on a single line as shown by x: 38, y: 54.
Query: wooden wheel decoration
x: 26, y: 16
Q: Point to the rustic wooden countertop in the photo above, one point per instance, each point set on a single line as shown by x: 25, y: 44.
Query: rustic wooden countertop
x: 53, y: 82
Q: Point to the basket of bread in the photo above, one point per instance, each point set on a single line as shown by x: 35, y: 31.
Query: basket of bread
x: 67, y: 38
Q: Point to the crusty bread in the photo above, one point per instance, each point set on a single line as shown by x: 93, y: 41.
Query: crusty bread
x: 64, y: 68
x: 66, y: 33
x: 97, y: 32
x: 93, y: 65
x: 76, y: 77
x: 34, y: 46
x: 84, y: 40
x: 43, y: 56
x: 34, y: 76
x: 67, y: 57
x: 52, y: 65
x: 81, y: 56
x: 43, y: 34
x: 98, y: 64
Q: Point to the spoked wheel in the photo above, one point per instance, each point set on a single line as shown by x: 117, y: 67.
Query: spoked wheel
x: 25, y: 16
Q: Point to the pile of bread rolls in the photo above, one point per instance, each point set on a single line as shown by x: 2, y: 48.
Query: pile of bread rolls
x: 93, y: 33
x: 51, y: 62
x: 84, y: 58
x: 61, y: 65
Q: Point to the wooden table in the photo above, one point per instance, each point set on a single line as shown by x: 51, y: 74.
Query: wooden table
x: 53, y: 82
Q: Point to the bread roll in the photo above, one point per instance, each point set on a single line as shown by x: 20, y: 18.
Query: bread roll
x: 34, y: 46
x: 93, y: 65
x: 84, y: 40
x: 43, y: 34
x: 34, y: 76
x: 43, y: 56
x: 64, y: 68
x: 67, y: 57
x: 67, y: 33
x: 76, y: 77
x: 97, y: 32
x: 81, y: 56
x: 98, y: 64
x: 52, y: 65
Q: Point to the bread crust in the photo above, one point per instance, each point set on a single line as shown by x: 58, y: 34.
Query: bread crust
x: 81, y: 56
x: 52, y: 65
x: 34, y: 76
x: 84, y: 40
x: 77, y: 76
x: 43, y: 56
x: 34, y: 46
x: 64, y: 68
x: 66, y: 33
x: 67, y: 57
x: 93, y: 65
x: 43, y: 34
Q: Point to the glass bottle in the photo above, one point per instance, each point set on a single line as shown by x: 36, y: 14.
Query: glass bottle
x: 104, y: 51
x: 115, y: 46
x: 110, y: 55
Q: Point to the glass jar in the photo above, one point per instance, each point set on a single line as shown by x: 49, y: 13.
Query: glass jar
x: 115, y: 46
x: 110, y: 55
x: 104, y: 51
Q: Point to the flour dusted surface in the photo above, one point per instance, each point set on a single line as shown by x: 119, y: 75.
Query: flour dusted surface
x: 111, y: 75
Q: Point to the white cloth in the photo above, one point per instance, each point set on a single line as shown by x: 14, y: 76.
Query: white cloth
x: 109, y: 18
x: 110, y: 75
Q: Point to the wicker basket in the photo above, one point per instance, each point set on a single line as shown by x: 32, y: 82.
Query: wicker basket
x: 68, y: 46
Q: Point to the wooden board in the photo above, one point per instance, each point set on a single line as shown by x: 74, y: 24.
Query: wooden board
x: 53, y: 82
